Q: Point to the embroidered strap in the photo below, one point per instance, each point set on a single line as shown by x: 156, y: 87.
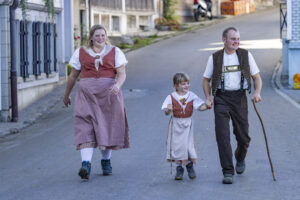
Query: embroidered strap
x: 231, y: 68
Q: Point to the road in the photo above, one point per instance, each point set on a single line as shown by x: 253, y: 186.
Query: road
x: 41, y: 162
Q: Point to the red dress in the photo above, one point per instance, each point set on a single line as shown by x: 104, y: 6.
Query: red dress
x: 99, y: 116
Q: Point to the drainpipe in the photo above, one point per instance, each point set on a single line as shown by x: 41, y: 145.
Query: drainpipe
x: 89, y: 14
x: 13, y: 71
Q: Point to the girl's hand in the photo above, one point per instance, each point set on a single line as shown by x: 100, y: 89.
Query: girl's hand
x: 67, y: 101
x: 114, y: 89
x: 203, y: 107
x: 169, y: 109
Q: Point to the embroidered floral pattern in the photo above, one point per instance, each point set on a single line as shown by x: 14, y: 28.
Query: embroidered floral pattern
x: 183, y: 101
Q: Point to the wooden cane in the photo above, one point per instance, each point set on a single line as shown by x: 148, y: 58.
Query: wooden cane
x: 266, y: 140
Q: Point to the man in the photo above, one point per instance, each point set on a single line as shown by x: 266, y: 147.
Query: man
x: 230, y: 71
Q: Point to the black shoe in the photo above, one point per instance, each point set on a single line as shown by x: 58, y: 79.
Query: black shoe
x: 240, y: 166
x: 227, y: 179
x: 190, y: 170
x: 106, y: 167
x: 85, y: 170
x: 179, y: 173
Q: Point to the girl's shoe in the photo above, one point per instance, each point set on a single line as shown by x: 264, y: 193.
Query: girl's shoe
x: 106, y: 167
x: 85, y: 170
x: 179, y: 173
x: 190, y: 170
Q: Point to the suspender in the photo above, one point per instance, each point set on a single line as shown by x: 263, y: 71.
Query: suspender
x: 231, y: 68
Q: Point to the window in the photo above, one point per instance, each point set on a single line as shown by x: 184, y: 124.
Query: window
x: 115, y: 23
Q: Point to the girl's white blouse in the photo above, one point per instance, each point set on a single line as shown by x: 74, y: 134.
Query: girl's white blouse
x: 120, y: 58
x: 189, y: 96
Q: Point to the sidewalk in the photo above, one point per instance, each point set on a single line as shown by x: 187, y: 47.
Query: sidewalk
x: 33, y: 112
x: 288, y: 93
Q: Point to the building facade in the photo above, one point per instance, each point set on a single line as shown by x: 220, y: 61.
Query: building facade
x: 39, y: 50
x: 291, y: 42
x: 119, y: 17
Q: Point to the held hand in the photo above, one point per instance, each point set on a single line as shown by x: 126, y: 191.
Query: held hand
x: 256, y: 97
x: 169, y: 109
x: 67, y: 101
x: 203, y: 107
x: 114, y: 89
x: 209, y: 102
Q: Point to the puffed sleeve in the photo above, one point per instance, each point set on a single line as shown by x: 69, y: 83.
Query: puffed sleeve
x: 120, y: 58
x: 74, y: 61
x: 197, y: 101
x: 167, y: 101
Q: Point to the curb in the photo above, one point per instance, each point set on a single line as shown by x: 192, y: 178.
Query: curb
x: 277, y: 86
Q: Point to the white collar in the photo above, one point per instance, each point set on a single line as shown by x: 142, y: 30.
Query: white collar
x: 106, y: 49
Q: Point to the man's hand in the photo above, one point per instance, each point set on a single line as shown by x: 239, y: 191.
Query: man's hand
x: 209, y: 102
x: 257, y: 86
x: 256, y: 97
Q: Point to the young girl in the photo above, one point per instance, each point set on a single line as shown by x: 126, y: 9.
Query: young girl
x: 180, y: 137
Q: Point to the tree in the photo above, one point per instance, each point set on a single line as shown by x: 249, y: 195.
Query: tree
x: 169, y: 9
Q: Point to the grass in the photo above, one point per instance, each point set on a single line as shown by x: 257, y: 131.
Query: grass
x: 139, y: 42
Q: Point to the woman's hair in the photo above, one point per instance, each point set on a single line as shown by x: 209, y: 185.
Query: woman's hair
x: 180, y: 77
x: 92, y: 31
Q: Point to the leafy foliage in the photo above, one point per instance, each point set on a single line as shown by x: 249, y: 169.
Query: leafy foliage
x: 49, y: 4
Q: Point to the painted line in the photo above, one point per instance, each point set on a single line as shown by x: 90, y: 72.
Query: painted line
x: 277, y: 86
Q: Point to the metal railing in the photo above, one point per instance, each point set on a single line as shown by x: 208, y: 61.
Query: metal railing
x: 37, y: 50
x: 36, y: 64
x: 24, y: 50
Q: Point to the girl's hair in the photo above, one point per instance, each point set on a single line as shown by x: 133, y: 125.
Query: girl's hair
x: 92, y: 31
x: 180, y: 77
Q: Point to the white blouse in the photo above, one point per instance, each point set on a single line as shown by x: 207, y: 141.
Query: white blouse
x: 232, y: 80
x: 189, y: 96
x: 120, y: 58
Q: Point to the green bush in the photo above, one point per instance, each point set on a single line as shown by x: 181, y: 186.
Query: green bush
x: 69, y: 69
x: 124, y: 46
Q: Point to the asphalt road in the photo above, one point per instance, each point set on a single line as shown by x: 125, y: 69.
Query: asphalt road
x: 41, y: 162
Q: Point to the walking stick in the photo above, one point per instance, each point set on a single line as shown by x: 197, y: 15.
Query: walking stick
x: 266, y: 140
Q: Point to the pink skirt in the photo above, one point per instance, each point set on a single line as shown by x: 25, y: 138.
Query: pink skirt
x: 99, y: 116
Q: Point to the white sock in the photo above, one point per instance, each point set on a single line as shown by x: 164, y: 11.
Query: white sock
x: 86, y: 154
x: 179, y: 164
x: 106, y: 154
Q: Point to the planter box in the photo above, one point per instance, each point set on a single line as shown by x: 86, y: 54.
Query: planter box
x: 163, y: 28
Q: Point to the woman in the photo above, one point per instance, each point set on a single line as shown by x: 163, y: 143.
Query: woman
x: 99, y: 114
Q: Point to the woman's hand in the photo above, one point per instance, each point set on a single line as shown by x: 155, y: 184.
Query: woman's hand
x: 67, y: 101
x: 114, y: 89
